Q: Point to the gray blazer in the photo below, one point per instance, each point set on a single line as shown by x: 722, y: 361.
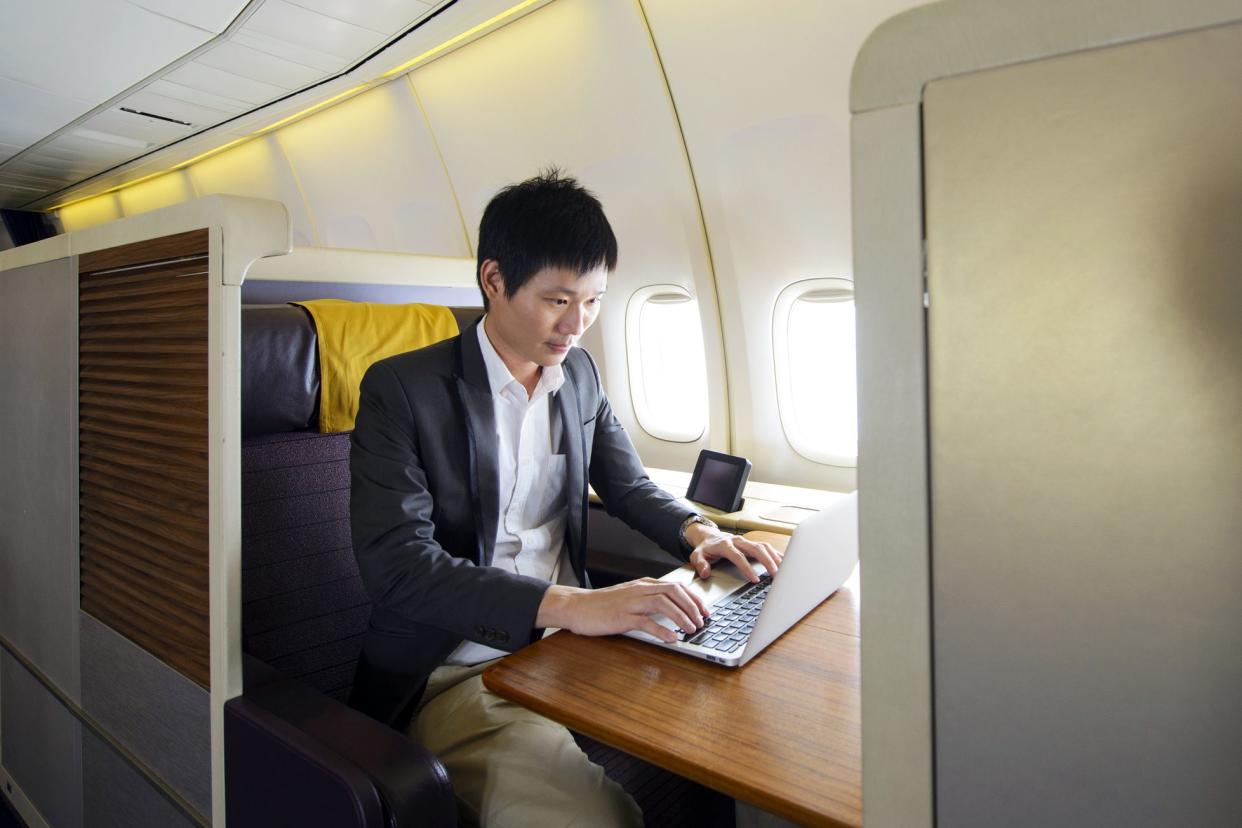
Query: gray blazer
x: 423, y: 511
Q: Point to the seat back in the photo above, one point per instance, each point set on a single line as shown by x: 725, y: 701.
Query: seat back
x: 304, y: 610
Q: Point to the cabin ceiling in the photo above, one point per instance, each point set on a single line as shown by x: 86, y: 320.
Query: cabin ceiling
x: 86, y: 87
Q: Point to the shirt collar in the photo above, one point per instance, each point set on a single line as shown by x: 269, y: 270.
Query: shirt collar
x: 499, y: 377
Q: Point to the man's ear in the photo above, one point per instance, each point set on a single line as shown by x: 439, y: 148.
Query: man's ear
x: 492, y: 280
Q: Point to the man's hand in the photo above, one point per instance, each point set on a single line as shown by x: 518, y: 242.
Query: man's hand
x: 711, y: 546
x: 621, y: 608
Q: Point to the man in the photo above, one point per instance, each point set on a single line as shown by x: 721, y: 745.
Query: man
x: 469, y: 465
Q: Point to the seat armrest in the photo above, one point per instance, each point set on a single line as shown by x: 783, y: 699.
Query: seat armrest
x: 275, y: 774
x: 317, y: 735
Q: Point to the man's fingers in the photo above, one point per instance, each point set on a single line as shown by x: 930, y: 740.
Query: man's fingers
x: 645, y: 624
x: 693, y: 598
x: 698, y: 561
x: 762, y: 552
x: 665, y: 605
x: 738, y: 558
x: 689, y: 604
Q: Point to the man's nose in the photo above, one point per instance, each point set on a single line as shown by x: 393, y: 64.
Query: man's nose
x: 574, y: 321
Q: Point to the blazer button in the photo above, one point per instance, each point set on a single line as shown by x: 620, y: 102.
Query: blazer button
x: 481, y: 630
x: 502, y: 636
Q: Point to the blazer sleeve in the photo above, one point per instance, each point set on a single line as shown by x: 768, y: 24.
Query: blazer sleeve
x: 619, y: 478
x: 403, y: 566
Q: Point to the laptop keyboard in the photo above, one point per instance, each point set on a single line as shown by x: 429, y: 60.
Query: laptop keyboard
x: 732, y: 619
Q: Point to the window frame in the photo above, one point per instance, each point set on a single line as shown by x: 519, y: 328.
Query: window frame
x: 633, y: 355
x: 785, y: 301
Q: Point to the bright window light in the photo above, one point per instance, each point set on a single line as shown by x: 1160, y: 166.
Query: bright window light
x: 668, y: 373
x: 817, y: 391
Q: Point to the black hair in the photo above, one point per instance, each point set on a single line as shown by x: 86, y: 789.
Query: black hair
x: 546, y: 221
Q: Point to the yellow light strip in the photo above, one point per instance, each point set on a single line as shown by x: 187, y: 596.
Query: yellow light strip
x: 309, y: 110
x: 179, y: 166
x: 409, y: 64
x: 466, y: 35
x: 183, y: 164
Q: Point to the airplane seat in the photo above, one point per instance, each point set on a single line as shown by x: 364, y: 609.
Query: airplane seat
x: 295, y: 752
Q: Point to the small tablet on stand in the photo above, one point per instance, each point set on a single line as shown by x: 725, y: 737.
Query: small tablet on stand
x: 719, y: 480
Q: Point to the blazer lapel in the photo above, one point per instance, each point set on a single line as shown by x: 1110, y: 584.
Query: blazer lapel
x: 476, y: 400
x: 575, y: 472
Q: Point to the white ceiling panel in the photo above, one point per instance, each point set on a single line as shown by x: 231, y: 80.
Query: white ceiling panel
x: 252, y: 63
x: 17, y: 133
x: 24, y: 180
x: 155, y: 104
x: 101, y: 48
x: 181, y: 92
x: 89, y: 51
x: 137, y: 127
x: 278, y: 19
x: 54, y: 152
x: 72, y: 175
x: 32, y: 113
x: 46, y: 168
x: 383, y: 16
x: 211, y: 15
x: 323, y: 61
x: 217, y: 81
x: 17, y: 187
x: 103, y: 153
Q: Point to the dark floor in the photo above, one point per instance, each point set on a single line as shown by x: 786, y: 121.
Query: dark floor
x: 8, y: 816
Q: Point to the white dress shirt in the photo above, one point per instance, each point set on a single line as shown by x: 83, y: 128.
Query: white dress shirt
x: 530, y: 525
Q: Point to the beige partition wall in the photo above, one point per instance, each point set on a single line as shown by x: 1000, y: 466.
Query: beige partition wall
x: 1053, y: 580
x: 1084, y: 232
x: 120, y: 542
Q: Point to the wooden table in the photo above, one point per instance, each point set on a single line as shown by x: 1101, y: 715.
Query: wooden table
x: 782, y: 733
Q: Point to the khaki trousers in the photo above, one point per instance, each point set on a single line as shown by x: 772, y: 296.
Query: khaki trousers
x: 511, y: 767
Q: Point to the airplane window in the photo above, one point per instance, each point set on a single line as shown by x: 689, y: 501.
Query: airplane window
x: 668, y: 373
x: 813, y: 345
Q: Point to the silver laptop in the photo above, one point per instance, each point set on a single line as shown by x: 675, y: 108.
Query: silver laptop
x: 746, y: 617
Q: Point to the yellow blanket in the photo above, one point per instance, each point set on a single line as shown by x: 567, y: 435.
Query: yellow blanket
x: 352, y: 335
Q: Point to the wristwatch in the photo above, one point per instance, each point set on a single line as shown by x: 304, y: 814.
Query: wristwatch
x: 690, y: 521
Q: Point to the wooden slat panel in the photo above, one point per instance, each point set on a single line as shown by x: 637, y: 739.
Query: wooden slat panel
x: 183, y: 395
x: 143, y: 446
x: 159, y: 566
x: 165, y: 606
x: 177, y: 426
x: 189, y: 317
x: 102, y: 428
x: 137, y: 402
x: 180, y: 245
x: 150, y: 331
x: 122, y: 490
x: 147, y: 304
x: 183, y: 530
x: 110, y: 529
x: 143, y: 346
x: 187, y: 467
x: 140, y: 281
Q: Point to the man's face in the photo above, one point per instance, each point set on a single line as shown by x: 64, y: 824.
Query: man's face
x: 547, y: 315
